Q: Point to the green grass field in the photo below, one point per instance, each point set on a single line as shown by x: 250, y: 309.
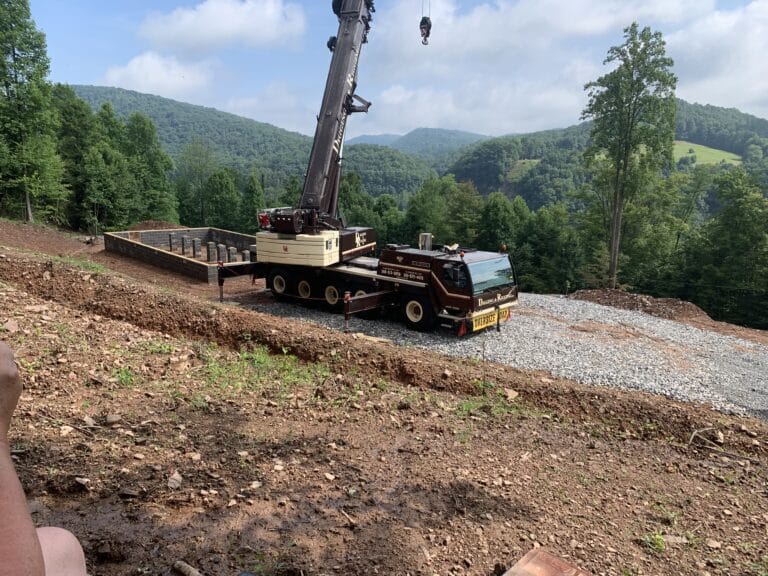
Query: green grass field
x: 521, y: 168
x: 704, y: 154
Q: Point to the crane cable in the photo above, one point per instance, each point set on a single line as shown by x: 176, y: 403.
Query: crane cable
x: 429, y: 8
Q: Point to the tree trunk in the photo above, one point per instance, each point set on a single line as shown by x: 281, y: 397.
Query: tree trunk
x: 28, y: 204
x: 613, y: 262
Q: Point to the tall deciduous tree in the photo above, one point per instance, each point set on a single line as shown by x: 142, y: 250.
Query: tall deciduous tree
x: 76, y: 131
x: 193, y: 168
x: 32, y: 171
x: 150, y: 165
x: 223, y: 199
x: 633, y: 108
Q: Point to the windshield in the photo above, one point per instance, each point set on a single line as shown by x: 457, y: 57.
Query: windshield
x: 490, y: 274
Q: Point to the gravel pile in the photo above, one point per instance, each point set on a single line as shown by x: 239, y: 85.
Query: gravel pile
x: 596, y: 344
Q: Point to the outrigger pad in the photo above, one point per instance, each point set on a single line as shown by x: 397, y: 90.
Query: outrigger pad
x: 538, y: 562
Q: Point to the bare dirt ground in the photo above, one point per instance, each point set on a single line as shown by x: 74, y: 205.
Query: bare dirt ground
x: 160, y: 426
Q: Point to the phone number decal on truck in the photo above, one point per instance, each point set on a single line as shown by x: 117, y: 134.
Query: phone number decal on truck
x: 404, y: 273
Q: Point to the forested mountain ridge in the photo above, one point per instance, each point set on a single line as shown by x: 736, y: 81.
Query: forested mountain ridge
x: 384, y: 170
x: 240, y: 143
x: 547, y: 167
x: 377, y: 139
x: 722, y: 128
x: 246, y: 145
x: 429, y: 143
x: 542, y: 167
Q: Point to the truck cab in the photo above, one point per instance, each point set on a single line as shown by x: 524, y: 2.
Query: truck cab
x: 464, y: 289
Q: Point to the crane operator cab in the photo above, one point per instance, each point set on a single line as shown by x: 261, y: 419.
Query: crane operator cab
x: 426, y: 27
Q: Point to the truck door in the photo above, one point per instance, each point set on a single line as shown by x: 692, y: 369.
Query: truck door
x: 454, y: 288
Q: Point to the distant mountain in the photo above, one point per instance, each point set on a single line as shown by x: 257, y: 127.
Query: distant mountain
x: 546, y: 167
x: 721, y: 128
x: 377, y: 139
x: 385, y: 170
x: 437, y: 146
x: 245, y: 144
x: 434, y: 143
x: 238, y: 142
x: 542, y: 167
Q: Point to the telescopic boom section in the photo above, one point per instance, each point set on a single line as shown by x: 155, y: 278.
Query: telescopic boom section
x: 319, y: 201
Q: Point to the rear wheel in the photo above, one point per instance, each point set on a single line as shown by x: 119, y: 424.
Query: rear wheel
x: 333, y: 296
x: 304, y: 288
x: 418, y: 313
x: 278, y: 281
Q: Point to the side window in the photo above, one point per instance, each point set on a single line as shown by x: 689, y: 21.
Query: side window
x: 461, y: 277
x: 455, y: 276
x: 448, y: 275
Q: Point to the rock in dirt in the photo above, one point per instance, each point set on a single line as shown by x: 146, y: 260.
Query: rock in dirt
x: 720, y: 437
x: 128, y: 493
x: 185, y: 569
x: 174, y: 482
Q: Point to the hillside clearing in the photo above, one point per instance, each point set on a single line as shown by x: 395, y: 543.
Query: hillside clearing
x: 704, y: 154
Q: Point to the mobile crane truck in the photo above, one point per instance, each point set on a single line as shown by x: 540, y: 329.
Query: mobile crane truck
x: 309, y: 254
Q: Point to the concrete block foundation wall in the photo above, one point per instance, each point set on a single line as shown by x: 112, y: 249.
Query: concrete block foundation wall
x: 162, y: 248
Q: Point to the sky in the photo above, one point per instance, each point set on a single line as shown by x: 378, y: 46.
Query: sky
x: 492, y: 66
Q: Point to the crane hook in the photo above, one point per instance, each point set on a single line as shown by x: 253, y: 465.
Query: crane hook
x: 426, y: 27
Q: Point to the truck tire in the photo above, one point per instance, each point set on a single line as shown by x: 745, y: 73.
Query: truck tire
x: 279, y: 281
x: 304, y: 288
x: 359, y: 291
x: 417, y: 313
x: 333, y: 296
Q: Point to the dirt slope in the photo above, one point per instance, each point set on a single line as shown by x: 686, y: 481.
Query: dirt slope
x: 158, y: 427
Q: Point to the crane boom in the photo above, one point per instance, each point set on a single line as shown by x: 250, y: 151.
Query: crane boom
x: 318, y: 208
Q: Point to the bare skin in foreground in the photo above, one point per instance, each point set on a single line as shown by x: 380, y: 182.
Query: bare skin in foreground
x: 25, y: 551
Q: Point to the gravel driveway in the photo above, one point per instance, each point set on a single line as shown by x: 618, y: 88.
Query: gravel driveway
x: 599, y: 345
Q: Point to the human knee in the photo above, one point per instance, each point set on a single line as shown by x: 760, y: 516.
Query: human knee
x: 62, y: 552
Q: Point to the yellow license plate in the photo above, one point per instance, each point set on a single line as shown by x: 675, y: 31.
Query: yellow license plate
x: 490, y: 319
x: 480, y: 322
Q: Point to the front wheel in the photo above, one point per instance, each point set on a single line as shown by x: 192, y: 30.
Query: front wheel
x: 418, y: 313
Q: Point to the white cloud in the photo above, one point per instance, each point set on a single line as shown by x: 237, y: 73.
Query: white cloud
x: 507, y: 66
x: 277, y: 104
x: 164, y: 76
x: 214, y: 24
x: 720, y: 59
